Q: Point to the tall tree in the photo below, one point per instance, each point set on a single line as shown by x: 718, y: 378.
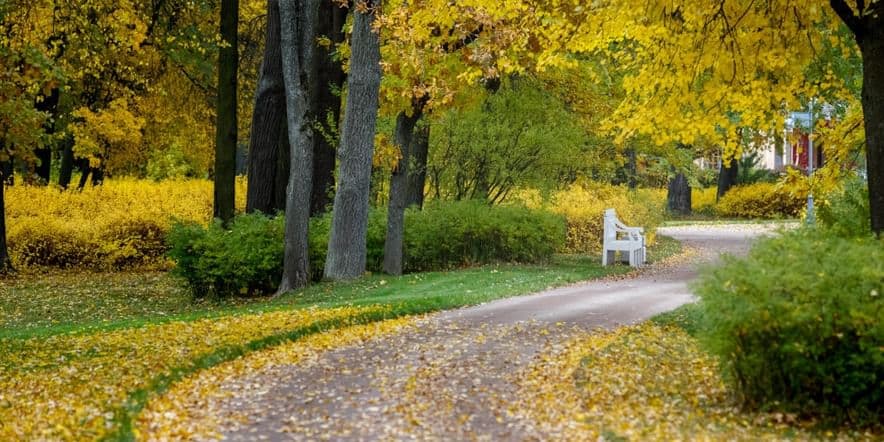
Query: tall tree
x: 347, y: 240
x: 269, y: 133
x: 417, y: 173
x: 298, y: 26
x: 326, y: 103
x: 678, y: 196
x: 866, y: 22
x: 393, y: 242
x: 225, y: 124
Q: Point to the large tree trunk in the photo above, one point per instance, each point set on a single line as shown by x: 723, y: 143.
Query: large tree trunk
x: 268, y: 136
x: 872, y: 48
x: 727, y: 176
x: 298, y: 24
x: 679, y: 195
x: 326, y: 105
x: 417, y: 174
x: 393, y: 242
x: 347, y: 246
x: 225, y: 125
x: 49, y: 105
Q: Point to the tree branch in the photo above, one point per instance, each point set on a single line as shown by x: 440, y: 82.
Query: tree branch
x: 848, y: 17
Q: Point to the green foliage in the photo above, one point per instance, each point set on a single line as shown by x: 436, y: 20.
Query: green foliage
x: 846, y: 213
x: 519, y: 136
x: 797, y: 324
x: 748, y: 171
x: 447, y: 235
x: 247, y: 258
x: 761, y: 200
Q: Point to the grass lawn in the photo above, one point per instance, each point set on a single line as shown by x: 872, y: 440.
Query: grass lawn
x: 40, y: 304
x: 80, y: 354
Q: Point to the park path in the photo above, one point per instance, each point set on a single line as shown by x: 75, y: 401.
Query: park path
x: 451, y: 375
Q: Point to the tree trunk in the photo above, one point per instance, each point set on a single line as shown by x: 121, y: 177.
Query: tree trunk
x: 679, y: 195
x: 268, y: 136
x: 727, y: 177
x: 225, y: 123
x: 85, y: 169
x: 5, y: 262
x: 346, y: 246
x: 326, y: 105
x: 631, y: 170
x: 66, y: 169
x: 49, y: 105
x: 44, y: 169
x: 298, y: 24
x: 872, y: 48
x: 393, y: 242
x: 868, y: 29
x: 417, y: 174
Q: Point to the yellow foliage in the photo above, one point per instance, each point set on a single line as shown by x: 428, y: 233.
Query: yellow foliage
x: 583, y: 206
x: 122, y: 223
x: 67, y: 387
x: 110, y: 137
x: 645, y: 382
x: 704, y: 200
x: 185, y: 412
x: 762, y: 200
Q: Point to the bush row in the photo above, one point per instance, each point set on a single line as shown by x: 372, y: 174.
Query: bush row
x: 247, y: 258
x: 798, y: 324
x: 761, y: 200
x: 583, y: 205
x: 122, y: 223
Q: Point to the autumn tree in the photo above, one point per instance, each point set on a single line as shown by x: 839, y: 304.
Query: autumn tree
x: 226, y: 124
x: 347, y: 241
x: 298, y: 31
x: 866, y: 22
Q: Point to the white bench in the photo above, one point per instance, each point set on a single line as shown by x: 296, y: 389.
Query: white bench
x: 619, y: 237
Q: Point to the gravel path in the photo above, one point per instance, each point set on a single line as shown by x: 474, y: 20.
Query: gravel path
x: 451, y: 375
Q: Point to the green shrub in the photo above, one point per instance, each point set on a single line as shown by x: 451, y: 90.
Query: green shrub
x: 244, y: 259
x: 798, y: 324
x: 846, y: 213
x: 761, y: 200
x: 247, y: 258
x: 455, y: 234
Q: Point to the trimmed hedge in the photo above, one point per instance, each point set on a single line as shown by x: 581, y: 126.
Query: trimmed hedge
x: 798, y: 325
x: 761, y: 200
x: 247, y: 258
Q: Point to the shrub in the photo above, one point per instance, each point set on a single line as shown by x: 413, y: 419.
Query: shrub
x: 454, y: 234
x: 761, y: 200
x: 247, y: 258
x: 703, y: 200
x: 583, y: 206
x: 121, y: 224
x: 244, y: 259
x: 797, y: 324
x: 846, y: 213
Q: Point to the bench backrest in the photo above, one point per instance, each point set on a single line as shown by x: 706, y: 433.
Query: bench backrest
x: 610, y: 226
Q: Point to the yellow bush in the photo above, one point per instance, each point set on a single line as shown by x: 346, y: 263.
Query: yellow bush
x: 122, y: 223
x: 703, y: 200
x: 762, y: 200
x: 584, y: 204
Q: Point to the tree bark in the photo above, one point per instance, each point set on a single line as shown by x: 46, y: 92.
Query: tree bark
x: 5, y: 261
x: 631, y: 170
x: 326, y: 105
x: 727, y: 176
x: 347, y: 241
x: 417, y: 174
x: 868, y: 30
x: 225, y: 123
x: 66, y: 169
x: 297, y: 24
x: 268, y: 136
x: 393, y: 242
x: 679, y: 195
